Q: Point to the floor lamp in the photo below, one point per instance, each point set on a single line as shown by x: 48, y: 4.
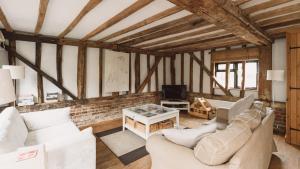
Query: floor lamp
x: 275, y: 75
x: 6, y: 88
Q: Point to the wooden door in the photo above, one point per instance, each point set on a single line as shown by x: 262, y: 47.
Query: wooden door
x: 293, y: 88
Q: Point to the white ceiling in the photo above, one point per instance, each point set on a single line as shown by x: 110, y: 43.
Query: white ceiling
x: 22, y: 16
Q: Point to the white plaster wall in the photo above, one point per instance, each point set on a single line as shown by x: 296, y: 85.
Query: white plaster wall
x: 187, y: 70
x: 168, y: 71
x: 133, y: 55
x: 152, y: 61
x: 48, y: 59
x: 92, y: 73
x: 178, y: 69
x: 279, y: 63
x: 69, y: 68
x: 143, y: 70
x: 160, y: 74
x: 206, y: 79
x: 27, y: 86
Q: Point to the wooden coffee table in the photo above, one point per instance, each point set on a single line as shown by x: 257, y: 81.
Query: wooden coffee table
x: 148, y: 114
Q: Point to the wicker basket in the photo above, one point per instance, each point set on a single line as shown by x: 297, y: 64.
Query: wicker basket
x: 166, y: 124
x: 130, y: 122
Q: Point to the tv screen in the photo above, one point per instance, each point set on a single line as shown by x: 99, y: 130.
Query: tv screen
x: 174, y: 92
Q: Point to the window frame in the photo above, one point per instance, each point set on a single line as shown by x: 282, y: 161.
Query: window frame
x: 235, y: 71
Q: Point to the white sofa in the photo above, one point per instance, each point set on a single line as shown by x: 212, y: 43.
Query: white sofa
x: 227, y: 113
x: 66, y: 147
x: 255, y: 154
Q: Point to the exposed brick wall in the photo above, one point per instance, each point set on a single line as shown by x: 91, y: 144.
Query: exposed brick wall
x: 91, y: 111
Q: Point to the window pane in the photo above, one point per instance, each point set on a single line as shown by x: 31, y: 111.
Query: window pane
x: 220, y: 76
x: 231, y: 66
x: 251, y: 73
x: 231, y: 80
x: 221, y: 67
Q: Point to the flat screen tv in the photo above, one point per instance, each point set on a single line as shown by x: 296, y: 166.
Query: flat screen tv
x: 174, y: 92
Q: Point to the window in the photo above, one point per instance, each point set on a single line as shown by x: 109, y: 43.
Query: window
x: 236, y: 74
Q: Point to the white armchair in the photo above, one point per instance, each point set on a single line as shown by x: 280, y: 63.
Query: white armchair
x: 66, y: 147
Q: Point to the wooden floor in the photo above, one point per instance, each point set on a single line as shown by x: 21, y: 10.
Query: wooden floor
x: 287, y: 157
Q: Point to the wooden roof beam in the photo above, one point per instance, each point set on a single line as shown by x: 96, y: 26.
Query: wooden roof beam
x: 144, y: 22
x: 85, y: 10
x: 264, y: 5
x: 4, y: 21
x: 215, y: 13
x: 172, y: 30
x: 120, y: 16
x: 41, y: 17
x: 176, y: 22
x: 175, y: 38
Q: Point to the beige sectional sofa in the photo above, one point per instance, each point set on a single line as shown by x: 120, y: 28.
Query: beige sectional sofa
x: 255, y: 154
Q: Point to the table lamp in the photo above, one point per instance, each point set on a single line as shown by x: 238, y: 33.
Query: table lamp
x: 6, y: 88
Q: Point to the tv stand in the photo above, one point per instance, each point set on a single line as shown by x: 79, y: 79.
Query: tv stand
x: 177, y: 104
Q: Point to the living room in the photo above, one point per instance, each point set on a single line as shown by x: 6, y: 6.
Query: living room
x: 160, y: 84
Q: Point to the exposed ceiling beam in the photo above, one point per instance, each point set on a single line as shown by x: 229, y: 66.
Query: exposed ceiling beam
x: 209, y: 37
x: 284, y: 29
x: 115, y: 19
x: 284, y: 18
x: 264, y: 5
x: 278, y: 11
x: 41, y: 17
x: 209, y: 44
x: 181, y: 36
x: 85, y: 10
x: 76, y: 42
x: 144, y: 22
x: 176, y: 22
x: 214, y: 13
x: 282, y: 24
x: 4, y: 21
x: 172, y: 30
x: 240, y: 2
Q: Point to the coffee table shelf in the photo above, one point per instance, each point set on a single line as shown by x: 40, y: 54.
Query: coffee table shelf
x: 157, y: 114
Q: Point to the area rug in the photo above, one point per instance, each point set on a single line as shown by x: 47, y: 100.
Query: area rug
x: 127, y: 146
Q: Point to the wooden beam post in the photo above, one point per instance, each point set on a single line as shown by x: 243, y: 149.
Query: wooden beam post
x: 182, y: 68
x: 156, y: 77
x: 38, y: 56
x: 211, y: 74
x: 59, y: 59
x: 201, y: 72
x: 137, y: 71
x: 34, y: 67
x: 100, y: 71
x: 172, y: 69
x: 242, y: 91
x: 164, y: 71
x: 147, y: 79
x: 130, y: 78
x: 227, y: 76
x: 81, y: 72
x: 41, y: 17
x: 191, y: 73
x: 265, y: 63
x: 11, y: 56
x: 4, y: 21
x: 148, y: 70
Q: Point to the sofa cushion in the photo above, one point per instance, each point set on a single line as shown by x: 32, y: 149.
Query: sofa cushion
x: 250, y: 117
x: 260, y: 107
x: 189, y: 137
x: 13, y: 131
x: 43, y: 119
x: 51, y: 133
x: 219, y: 147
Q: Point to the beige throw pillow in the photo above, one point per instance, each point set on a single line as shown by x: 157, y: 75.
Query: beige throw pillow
x: 219, y: 147
x: 250, y: 117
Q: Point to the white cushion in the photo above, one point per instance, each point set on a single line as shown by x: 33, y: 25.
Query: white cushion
x: 43, y: 119
x: 260, y: 107
x: 219, y: 147
x: 51, y: 133
x: 250, y: 117
x: 13, y: 131
x: 189, y: 137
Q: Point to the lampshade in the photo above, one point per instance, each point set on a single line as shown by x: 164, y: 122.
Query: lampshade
x: 7, y: 91
x: 16, y: 72
x: 275, y: 75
